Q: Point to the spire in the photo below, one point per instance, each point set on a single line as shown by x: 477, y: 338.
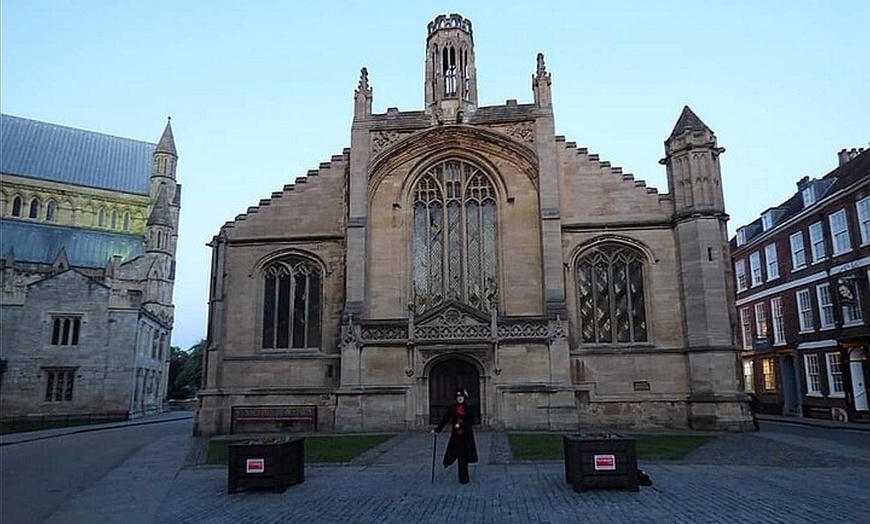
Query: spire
x: 161, y: 214
x: 167, y: 141
x: 688, y: 121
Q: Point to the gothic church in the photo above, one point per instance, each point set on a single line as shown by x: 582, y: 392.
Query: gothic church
x: 471, y: 246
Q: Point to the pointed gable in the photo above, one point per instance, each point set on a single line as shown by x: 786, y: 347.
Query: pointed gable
x: 453, y: 320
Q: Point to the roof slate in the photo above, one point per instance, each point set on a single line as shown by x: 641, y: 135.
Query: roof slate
x: 41, y: 243
x: 841, y: 177
x: 74, y: 156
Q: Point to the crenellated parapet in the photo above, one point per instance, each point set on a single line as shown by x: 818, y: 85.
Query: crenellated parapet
x: 451, y: 21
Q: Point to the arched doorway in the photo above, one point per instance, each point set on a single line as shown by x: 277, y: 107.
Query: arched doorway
x: 445, y: 378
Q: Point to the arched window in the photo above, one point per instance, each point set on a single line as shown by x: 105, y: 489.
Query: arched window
x: 16, y: 206
x: 34, y: 208
x: 51, y: 211
x: 114, y: 219
x: 611, y: 295
x: 101, y: 217
x: 291, y: 304
x: 127, y: 221
x: 454, y: 243
x: 448, y: 68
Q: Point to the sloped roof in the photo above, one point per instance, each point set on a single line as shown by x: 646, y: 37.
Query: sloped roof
x: 74, y: 156
x: 688, y: 121
x: 41, y: 243
x: 839, y: 178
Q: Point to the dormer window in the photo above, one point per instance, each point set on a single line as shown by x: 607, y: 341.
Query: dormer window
x: 767, y: 220
x: 809, y: 195
x: 741, y: 237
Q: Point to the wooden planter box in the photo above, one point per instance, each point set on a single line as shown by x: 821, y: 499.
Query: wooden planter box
x: 600, y: 461
x: 266, y: 464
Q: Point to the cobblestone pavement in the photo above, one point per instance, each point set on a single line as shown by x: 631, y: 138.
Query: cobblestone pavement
x: 761, y: 477
x: 771, y: 482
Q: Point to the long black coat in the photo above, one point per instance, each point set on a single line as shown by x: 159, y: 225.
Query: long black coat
x: 460, y: 446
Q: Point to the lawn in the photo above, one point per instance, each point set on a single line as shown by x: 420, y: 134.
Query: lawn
x: 548, y: 446
x: 318, y: 448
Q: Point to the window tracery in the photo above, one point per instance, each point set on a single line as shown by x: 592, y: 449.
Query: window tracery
x: 610, y: 286
x: 454, y: 237
x: 291, y: 304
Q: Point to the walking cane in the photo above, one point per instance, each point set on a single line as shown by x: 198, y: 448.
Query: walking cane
x: 434, y: 445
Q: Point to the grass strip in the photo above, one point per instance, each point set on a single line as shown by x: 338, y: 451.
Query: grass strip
x: 318, y: 448
x: 548, y: 446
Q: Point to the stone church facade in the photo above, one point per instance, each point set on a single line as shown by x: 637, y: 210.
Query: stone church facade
x: 471, y: 246
x: 88, y: 236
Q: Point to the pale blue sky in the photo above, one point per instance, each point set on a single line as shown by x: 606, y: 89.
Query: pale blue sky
x: 261, y: 91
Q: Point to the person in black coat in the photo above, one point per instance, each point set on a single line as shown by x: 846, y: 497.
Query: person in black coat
x: 461, y: 448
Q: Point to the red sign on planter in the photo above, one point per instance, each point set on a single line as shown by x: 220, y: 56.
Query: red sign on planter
x: 255, y: 465
x: 605, y: 462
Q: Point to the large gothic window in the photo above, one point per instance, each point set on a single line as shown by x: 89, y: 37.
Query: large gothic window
x: 611, y: 295
x: 454, y: 238
x: 291, y: 304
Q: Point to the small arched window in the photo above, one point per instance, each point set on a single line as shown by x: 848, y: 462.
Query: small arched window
x: 127, y: 221
x: 114, y: 219
x: 16, y: 206
x: 610, y: 288
x: 101, y: 217
x: 51, y: 211
x: 34, y: 208
x: 291, y: 304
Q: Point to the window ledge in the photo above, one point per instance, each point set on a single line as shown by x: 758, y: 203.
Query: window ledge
x: 837, y: 395
x: 826, y: 328
x: 815, y: 394
x: 853, y: 324
x: 807, y: 331
x: 846, y: 252
x: 799, y: 268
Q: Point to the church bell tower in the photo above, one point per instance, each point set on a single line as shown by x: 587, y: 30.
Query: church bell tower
x: 451, y: 78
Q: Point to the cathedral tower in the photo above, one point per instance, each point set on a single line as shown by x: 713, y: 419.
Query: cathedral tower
x: 451, y: 77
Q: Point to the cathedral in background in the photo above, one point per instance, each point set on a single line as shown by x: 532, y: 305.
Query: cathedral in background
x: 461, y: 245
x: 88, y: 234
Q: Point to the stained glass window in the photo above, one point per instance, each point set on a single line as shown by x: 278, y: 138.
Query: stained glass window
x: 454, y: 237
x: 610, y: 290
x: 291, y: 304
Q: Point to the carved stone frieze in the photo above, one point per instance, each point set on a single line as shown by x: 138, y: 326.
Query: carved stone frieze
x: 522, y: 131
x: 383, y: 139
x: 524, y: 330
x: 391, y: 332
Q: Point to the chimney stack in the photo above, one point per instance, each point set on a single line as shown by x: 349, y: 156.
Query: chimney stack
x: 845, y: 155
